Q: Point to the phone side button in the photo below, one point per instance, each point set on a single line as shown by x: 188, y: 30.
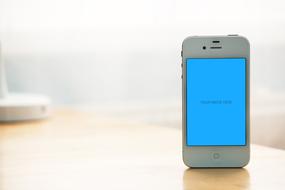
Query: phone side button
x: 181, y: 76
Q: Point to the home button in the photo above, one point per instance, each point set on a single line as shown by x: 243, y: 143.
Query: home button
x: 216, y: 156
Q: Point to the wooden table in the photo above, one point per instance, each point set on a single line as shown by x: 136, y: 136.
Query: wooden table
x: 83, y: 150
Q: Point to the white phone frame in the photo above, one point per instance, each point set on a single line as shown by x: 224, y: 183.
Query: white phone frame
x: 232, y: 46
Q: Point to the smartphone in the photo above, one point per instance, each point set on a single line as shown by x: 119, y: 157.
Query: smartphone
x: 215, y: 81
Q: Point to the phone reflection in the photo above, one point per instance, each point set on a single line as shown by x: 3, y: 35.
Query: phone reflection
x: 216, y: 179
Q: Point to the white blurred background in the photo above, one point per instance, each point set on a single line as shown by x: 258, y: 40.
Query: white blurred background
x: 127, y: 52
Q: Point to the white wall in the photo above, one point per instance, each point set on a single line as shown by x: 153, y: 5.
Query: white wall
x: 90, y: 51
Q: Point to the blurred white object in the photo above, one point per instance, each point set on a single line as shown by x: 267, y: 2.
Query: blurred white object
x: 17, y: 107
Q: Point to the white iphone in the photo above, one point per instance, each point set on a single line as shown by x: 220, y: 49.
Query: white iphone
x: 215, y: 79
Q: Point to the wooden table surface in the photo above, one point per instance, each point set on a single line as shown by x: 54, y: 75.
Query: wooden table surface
x: 83, y: 150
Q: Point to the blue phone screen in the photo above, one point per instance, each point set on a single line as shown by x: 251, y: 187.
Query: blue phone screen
x: 216, y: 101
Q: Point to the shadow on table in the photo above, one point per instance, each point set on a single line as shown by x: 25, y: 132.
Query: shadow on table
x: 233, y: 178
